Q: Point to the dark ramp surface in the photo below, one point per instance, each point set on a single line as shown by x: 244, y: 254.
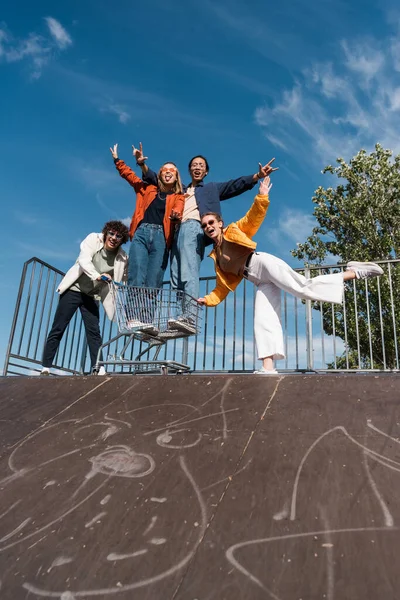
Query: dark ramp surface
x: 200, y: 488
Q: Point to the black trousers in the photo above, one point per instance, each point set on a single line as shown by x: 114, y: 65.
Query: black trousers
x: 69, y: 303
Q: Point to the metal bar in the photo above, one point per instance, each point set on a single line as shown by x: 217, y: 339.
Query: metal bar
x: 15, y: 317
x: 396, y: 350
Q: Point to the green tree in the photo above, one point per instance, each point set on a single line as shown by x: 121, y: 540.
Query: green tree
x: 359, y: 219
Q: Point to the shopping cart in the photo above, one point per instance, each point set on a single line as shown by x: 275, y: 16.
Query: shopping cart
x: 152, y: 316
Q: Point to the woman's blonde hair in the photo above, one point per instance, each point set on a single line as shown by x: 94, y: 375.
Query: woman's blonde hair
x: 178, y: 188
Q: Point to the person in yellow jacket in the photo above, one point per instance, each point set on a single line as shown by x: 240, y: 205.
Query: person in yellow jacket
x: 235, y: 257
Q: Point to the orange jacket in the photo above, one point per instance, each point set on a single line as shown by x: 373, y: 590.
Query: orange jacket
x: 145, y: 194
x: 240, y: 233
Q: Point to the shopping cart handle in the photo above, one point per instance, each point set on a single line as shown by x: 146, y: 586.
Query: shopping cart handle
x: 118, y: 283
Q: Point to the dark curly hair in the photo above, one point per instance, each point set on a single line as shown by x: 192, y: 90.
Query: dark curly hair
x: 118, y: 227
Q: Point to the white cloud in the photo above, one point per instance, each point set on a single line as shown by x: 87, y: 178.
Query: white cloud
x: 116, y: 109
x: 334, y: 109
x: 126, y: 221
x: 59, y: 34
x: 292, y: 226
x: 35, y: 48
x: 363, y: 59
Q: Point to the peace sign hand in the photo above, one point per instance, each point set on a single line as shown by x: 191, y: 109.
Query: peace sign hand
x: 114, y: 151
x: 138, y: 154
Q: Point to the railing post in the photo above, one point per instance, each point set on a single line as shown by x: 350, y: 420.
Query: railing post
x: 309, y: 331
x: 15, y: 318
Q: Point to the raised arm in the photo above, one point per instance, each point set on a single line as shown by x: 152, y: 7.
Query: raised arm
x: 252, y: 220
x: 235, y: 187
x: 140, y: 158
x: 125, y: 171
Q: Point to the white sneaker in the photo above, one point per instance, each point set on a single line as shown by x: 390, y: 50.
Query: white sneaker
x: 136, y: 324
x: 45, y: 371
x: 263, y: 371
x: 363, y: 270
x: 184, y: 324
x: 102, y: 371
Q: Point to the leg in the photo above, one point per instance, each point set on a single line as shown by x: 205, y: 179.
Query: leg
x: 68, y: 304
x: 91, y: 320
x: 190, y: 247
x: 267, y: 324
x: 138, y: 257
x: 191, y: 253
x: 266, y: 268
x: 157, y: 259
x: 175, y: 264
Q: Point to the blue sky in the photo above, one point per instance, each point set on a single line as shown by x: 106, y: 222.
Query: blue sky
x: 239, y: 82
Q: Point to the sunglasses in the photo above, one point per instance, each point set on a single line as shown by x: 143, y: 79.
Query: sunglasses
x: 211, y: 222
x: 117, y: 236
x: 168, y: 169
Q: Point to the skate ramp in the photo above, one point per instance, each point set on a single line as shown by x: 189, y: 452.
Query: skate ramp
x: 200, y: 487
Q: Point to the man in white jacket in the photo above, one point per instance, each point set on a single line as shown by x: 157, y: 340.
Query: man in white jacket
x: 101, y: 256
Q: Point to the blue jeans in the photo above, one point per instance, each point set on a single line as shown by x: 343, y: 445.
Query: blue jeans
x: 148, y: 256
x: 186, y: 256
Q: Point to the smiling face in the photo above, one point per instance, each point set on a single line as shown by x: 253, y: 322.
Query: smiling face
x: 112, y: 241
x: 168, y: 174
x: 212, y: 226
x: 197, y: 169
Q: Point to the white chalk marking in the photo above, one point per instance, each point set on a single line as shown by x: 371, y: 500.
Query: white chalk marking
x: 157, y: 541
x: 95, y: 519
x: 52, y: 482
x: 114, y: 556
x: 164, y: 439
x: 387, y: 516
x: 371, y: 453
x: 150, y: 580
x: 16, y: 530
x: 371, y: 426
x: 151, y: 525
x: 58, y: 562
x: 230, y: 552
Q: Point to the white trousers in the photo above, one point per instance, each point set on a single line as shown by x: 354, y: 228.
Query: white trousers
x: 270, y: 275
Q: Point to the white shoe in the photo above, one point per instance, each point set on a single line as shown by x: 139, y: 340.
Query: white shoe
x: 184, y: 324
x: 102, y: 371
x: 363, y: 270
x: 263, y: 371
x: 45, y: 371
x: 136, y: 324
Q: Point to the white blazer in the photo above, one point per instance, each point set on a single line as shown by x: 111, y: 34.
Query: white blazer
x: 90, y: 245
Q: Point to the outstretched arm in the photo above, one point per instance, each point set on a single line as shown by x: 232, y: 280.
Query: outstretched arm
x: 235, y: 187
x: 125, y: 171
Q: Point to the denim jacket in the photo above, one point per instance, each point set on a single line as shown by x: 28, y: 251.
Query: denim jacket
x: 209, y: 195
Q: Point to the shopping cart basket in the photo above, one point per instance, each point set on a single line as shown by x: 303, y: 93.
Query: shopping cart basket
x: 153, y: 316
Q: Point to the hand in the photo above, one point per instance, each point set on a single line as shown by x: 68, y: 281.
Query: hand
x: 104, y: 277
x: 201, y: 301
x: 175, y: 216
x: 266, y: 170
x: 114, y: 151
x: 265, y: 186
x: 138, y: 154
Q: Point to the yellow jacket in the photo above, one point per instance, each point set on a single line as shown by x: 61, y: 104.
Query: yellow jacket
x: 240, y: 233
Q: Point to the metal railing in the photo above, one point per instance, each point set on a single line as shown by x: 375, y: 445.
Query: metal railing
x: 362, y: 334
